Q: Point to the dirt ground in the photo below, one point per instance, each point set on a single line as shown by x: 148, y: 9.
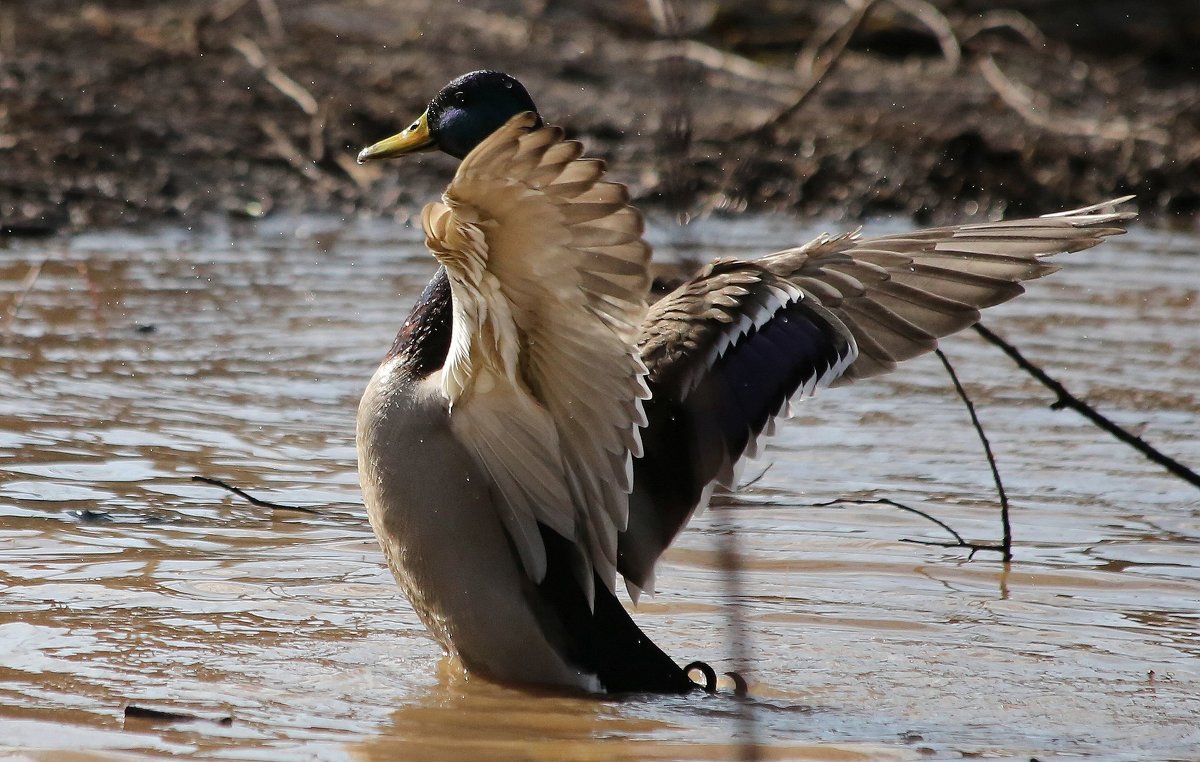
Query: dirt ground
x: 124, y: 112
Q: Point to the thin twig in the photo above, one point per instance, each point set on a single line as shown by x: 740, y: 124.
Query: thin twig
x: 894, y: 504
x: 821, y: 68
x: 756, y: 479
x: 1066, y: 399
x: 1024, y: 103
x: 666, y: 21
x: 676, y: 182
x: 291, y: 153
x: 225, y: 9
x: 1015, y: 21
x: 19, y: 298
x: 305, y: 162
x: 280, y: 81
x: 254, y: 500
x: 272, y: 17
x: 938, y: 25
x: 1006, y: 543
x: 720, y: 60
x: 959, y: 542
x: 158, y: 715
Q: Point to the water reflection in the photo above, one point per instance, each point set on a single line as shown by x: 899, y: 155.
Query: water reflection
x: 136, y: 362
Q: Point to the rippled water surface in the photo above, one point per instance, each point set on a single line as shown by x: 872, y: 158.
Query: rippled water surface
x: 135, y: 362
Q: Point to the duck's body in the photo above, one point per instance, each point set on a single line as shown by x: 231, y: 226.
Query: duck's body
x: 538, y: 429
x: 453, y: 557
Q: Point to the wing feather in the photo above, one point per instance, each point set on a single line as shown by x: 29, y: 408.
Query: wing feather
x: 898, y: 294
x: 732, y: 346
x: 549, y: 275
x: 726, y: 351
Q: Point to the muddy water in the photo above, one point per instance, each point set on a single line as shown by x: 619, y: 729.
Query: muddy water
x: 136, y: 362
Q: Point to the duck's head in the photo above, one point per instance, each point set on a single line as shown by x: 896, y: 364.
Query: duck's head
x: 459, y: 117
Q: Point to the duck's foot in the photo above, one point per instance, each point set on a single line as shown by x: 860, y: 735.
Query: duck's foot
x: 710, y: 675
x: 740, y: 689
x: 709, y: 685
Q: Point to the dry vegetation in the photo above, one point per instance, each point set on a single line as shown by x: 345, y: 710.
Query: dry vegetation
x: 123, y: 111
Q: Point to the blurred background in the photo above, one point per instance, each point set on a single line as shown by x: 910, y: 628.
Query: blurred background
x: 196, y: 279
x: 132, y: 111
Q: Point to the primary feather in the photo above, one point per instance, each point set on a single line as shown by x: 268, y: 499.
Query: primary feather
x: 548, y: 274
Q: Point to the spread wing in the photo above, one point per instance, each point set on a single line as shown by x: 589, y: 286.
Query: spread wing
x: 899, y: 294
x: 729, y: 349
x: 549, y: 276
x: 726, y: 352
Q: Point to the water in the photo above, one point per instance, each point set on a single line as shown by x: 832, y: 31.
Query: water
x: 138, y: 361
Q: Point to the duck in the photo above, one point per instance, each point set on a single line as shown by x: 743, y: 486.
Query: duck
x: 542, y: 426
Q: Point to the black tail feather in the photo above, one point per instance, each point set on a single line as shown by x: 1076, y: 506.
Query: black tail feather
x: 604, y: 641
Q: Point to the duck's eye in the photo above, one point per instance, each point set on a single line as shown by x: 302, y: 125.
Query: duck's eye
x: 459, y: 97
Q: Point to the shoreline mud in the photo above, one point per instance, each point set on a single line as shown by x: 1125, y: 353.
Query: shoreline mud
x: 132, y: 113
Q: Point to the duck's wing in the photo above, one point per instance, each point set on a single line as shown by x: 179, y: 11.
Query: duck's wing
x: 898, y: 294
x: 729, y: 349
x: 548, y: 273
x: 726, y: 352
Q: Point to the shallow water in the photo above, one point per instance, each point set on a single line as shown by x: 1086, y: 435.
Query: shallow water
x: 138, y: 361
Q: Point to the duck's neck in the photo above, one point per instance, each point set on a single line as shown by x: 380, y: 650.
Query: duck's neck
x: 424, y: 339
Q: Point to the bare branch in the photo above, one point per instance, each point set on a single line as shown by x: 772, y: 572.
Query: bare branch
x: 14, y: 306
x: 280, y: 81
x: 720, y: 60
x: 820, y: 68
x: 937, y: 23
x: 134, y: 712
x: 959, y: 542
x: 1017, y: 97
x: 291, y: 153
x: 272, y: 17
x: 756, y: 479
x: 254, y: 500
x: 1066, y: 399
x: 223, y: 10
x: 1014, y: 21
x: 1006, y: 543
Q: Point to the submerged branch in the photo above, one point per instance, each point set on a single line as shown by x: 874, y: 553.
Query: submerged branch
x: 254, y: 500
x: 132, y: 711
x: 959, y: 542
x: 1006, y: 543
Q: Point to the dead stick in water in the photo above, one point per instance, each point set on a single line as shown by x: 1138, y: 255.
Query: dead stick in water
x: 959, y: 542
x: 1066, y: 399
x: 159, y: 715
x: 26, y: 286
x: 252, y: 499
x: 1006, y: 543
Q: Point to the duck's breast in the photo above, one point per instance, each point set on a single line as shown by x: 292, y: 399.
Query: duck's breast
x: 431, y: 508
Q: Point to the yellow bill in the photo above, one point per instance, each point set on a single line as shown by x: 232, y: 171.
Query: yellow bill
x: 415, y: 138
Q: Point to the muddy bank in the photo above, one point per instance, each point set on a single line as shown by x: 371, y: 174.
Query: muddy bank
x: 128, y: 112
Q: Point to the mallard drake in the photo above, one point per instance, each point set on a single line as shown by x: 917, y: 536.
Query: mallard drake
x: 538, y: 428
